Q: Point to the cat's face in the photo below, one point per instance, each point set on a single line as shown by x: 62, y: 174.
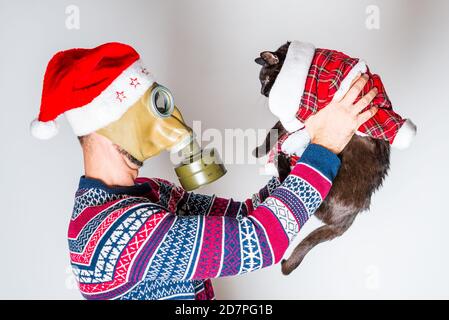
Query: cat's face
x: 271, y: 63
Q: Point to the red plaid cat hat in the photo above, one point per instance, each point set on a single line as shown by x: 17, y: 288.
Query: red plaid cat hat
x: 310, y: 79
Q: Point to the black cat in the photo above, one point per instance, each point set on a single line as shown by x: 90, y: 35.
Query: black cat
x: 364, y: 165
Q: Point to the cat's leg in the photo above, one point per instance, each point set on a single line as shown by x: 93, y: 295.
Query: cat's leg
x: 270, y: 140
x: 320, y: 235
x: 283, y: 165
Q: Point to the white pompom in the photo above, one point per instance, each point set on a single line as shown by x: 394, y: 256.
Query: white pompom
x: 43, y: 130
x: 405, y: 135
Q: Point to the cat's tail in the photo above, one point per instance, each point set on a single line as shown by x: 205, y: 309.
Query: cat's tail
x: 320, y: 235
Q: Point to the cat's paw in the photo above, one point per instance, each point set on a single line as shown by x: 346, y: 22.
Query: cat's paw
x: 296, y: 143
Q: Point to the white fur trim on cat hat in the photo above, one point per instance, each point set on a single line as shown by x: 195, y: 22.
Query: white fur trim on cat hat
x: 284, y: 98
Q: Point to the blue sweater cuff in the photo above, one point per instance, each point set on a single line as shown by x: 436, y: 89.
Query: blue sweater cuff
x: 322, y: 160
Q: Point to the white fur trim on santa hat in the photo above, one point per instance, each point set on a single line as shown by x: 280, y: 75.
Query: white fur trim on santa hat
x: 405, y: 135
x: 44, y: 130
x: 286, y: 93
x: 113, y: 102
x: 345, y: 85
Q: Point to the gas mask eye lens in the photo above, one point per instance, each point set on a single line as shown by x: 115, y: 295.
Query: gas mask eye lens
x: 161, y: 101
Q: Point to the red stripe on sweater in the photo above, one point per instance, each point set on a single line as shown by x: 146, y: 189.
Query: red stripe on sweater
x: 249, y: 205
x: 85, y: 256
x: 313, y: 177
x: 85, y: 216
x: 212, y: 247
x: 275, y: 233
x: 219, y: 207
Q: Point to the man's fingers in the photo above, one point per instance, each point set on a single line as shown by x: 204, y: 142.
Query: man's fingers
x: 356, y: 78
x: 365, y: 116
x: 355, y: 90
x: 365, y: 101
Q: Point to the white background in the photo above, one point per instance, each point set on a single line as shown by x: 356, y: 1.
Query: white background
x: 204, y: 52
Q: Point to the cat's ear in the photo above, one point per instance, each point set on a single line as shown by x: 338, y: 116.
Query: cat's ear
x: 270, y: 58
x: 260, y: 61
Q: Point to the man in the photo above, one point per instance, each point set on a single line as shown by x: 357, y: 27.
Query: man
x: 140, y: 238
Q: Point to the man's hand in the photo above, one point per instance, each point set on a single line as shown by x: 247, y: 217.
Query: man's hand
x: 333, y: 127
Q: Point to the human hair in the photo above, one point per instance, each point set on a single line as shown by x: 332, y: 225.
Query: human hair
x: 83, y: 140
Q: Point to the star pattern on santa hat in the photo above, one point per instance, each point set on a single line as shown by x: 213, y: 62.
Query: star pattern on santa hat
x: 145, y: 71
x: 120, y: 96
x: 134, y: 82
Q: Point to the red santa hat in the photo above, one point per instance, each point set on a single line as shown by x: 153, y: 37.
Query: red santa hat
x: 310, y: 78
x: 91, y: 87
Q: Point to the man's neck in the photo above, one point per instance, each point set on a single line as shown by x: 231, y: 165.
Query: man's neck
x: 109, y: 175
x: 103, y: 162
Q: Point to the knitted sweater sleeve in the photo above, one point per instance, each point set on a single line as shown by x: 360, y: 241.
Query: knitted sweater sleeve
x: 208, y: 246
x: 185, y: 203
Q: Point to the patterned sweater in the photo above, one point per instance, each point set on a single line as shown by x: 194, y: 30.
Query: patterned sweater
x: 154, y: 240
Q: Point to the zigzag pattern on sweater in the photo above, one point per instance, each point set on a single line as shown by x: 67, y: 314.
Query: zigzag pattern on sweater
x: 251, y: 253
x: 92, y: 197
x: 104, y: 261
x: 173, y: 256
x: 78, y: 244
x: 164, y: 290
x: 126, y: 243
x: 199, y: 204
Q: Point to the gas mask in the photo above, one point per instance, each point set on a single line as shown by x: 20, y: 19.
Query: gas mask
x: 154, y: 124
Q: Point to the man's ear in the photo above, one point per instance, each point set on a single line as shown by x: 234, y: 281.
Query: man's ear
x: 270, y: 58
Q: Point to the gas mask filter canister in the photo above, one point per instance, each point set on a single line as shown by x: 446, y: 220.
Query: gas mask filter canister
x: 154, y: 124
